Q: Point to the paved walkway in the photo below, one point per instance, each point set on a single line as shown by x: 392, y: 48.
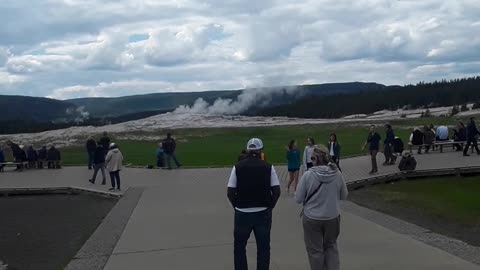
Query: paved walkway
x: 183, y: 221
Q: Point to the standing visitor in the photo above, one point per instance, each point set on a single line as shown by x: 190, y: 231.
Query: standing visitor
x: 17, y: 154
x: 53, y: 158
x: 253, y: 191
x: 320, y: 190
x: 472, y: 133
x: 114, y: 161
x: 160, y: 156
x: 105, y: 142
x: 293, y: 160
x: 91, y: 146
x: 373, y: 142
x: 388, y: 145
x: 307, y: 154
x: 98, y: 164
x: 334, y: 148
x: 169, y: 147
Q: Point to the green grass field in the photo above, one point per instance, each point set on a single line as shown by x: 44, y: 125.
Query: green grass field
x: 221, y: 146
x: 455, y: 199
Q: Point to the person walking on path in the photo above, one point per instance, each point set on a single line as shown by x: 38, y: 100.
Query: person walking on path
x: 91, y: 146
x: 388, y: 145
x: 253, y: 190
x: 472, y: 133
x: 160, y: 156
x: 293, y: 159
x: 373, y: 141
x: 105, y: 142
x: 114, y: 161
x: 169, y: 147
x: 98, y: 164
x: 334, y: 149
x: 429, y: 138
x: 307, y: 154
x: 320, y: 190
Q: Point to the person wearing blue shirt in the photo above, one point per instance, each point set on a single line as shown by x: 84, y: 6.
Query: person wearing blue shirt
x: 160, y: 156
x: 373, y: 142
x: 294, y: 162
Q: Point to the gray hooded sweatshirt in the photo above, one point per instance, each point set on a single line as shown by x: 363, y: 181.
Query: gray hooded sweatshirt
x: 324, y: 205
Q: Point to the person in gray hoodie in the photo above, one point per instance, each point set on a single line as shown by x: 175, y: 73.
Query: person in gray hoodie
x: 320, y: 190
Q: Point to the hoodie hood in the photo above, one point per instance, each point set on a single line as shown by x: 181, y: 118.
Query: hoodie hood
x: 324, y: 174
x: 115, y: 150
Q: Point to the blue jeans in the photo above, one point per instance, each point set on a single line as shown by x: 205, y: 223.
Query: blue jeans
x: 261, y: 224
x: 169, y: 160
x: 91, y: 156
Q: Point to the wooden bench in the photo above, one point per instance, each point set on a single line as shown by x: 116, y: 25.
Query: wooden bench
x: 12, y: 164
x: 438, y: 143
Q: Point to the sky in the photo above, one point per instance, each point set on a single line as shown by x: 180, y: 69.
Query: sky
x: 85, y: 48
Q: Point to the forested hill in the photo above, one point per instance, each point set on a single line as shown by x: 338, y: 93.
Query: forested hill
x: 421, y: 95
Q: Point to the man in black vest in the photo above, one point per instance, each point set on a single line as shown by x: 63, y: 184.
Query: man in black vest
x: 253, y: 190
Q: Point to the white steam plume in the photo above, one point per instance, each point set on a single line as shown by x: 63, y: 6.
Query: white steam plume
x: 260, y: 97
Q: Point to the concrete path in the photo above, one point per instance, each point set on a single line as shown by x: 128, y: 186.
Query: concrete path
x: 183, y: 221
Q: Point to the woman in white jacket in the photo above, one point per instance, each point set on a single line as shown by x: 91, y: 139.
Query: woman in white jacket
x: 114, y: 161
x: 307, y: 154
x: 320, y: 190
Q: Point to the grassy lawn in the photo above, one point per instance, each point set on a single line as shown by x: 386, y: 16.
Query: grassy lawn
x: 221, y: 146
x: 455, y: 199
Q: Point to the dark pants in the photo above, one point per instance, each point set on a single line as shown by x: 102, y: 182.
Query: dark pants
x: 160, y: 162
x: 40, y: 163
x: 320, y: 238
x: 261, y: 224
x: 373, y: 154
x: 91, y: 156
x: 115, y: 176
x: 336, y: 160
x: 169, y: 160
x: 388, y: 152
x: 53, y: 164
x: 98, y: 167
x: 471, y: 141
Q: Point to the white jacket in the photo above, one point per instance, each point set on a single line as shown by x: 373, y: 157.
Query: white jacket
x: 114, y: 160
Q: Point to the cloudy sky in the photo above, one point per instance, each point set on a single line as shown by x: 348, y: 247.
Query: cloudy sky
x: 77, y: 48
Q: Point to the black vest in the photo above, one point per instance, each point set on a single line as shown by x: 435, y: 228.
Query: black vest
x: 253, y: 183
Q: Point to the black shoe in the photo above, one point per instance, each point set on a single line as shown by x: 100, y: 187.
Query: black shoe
x: 466, y: 155
x: 119, y: 189
x: 112, y: 189
x: 91, y: 181
x: 89, y: 168
x: 103, y: 182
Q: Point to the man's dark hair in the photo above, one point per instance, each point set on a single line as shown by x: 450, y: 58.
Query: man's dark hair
x: 169, y: 135
x: 312, y: 140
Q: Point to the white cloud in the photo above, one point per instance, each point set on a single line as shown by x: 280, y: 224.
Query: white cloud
x: 7, y: 79
x: 212, y: 44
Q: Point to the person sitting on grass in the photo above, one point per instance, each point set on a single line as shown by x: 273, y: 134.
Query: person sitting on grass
x: 160, y: 156
x: 114, y: 161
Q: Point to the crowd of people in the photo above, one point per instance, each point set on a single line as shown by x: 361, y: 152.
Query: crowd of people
x: 31, y: 158
x: 254, y: 189
x: 105, y: 155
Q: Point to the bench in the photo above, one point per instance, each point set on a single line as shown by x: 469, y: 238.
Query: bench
x: 12, y: 164
x: 439, y: 143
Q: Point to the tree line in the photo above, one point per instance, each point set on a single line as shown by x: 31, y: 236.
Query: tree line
x: 421, y: 95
